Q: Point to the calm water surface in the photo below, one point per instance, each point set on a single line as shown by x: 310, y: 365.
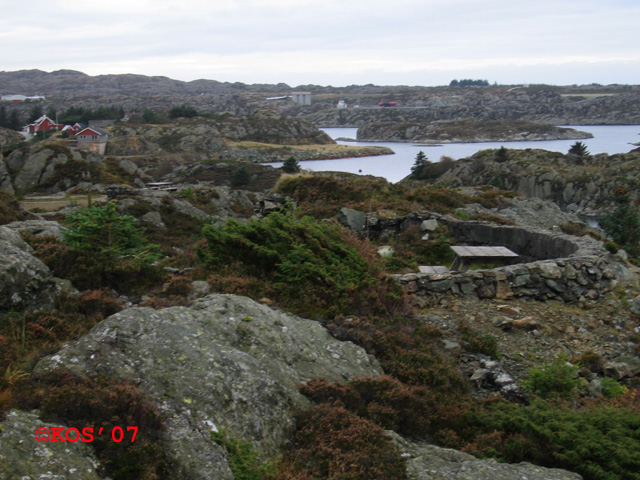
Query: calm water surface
x: 607, y: 139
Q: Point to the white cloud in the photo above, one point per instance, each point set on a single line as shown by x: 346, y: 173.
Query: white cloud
x: 311, y: 40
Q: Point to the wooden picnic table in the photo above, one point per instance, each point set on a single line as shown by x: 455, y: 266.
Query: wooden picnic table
x: 465, y: 256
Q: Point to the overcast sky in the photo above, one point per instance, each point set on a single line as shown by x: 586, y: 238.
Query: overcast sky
x: 330, y: 42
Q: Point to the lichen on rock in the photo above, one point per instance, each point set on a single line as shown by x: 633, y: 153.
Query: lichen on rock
x: 23, y: 457
x: 226, y: 362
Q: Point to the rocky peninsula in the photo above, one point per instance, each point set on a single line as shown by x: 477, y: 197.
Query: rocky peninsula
x: 465, y: 131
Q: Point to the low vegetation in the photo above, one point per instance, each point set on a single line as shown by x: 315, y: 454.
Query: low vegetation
x: 321, y: 196
x: 105, y: 405
x: 319, y: 270
x: 314, y: 269
x: 101, y: 248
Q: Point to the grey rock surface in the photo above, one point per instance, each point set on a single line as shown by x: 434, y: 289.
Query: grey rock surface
x: 227, y: 363
x: 23, y: 457
x: 5, y: 177
x: 532, y: 212
x: 352, y: 219
x: 39, y: 228
x: 25, y: 282
x: 429, y: 462
x: 464, y: 131
x: 36, y: 168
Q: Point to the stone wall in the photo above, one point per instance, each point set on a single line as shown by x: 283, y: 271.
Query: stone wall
x: 568, y: 279
x: 530, y: 243
x: 555, y: 266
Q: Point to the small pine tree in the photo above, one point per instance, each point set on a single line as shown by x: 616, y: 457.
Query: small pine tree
x: 14, y: 120
x: 109, y: 249
x: 623, y: 223
x: 579, y: 149
x: 502, y: 155
x: 240, y: 176
x: 290, y: 165
x: 418, y: 166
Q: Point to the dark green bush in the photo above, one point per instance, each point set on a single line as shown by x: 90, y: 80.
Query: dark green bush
x: 106, y: 249
x: 290, y: 165
x: 600, y: 442
x: 242, y: 458
x: 558, y: 379
x: 314, y: 268
x: 240, y: 177
x: 622, y: 224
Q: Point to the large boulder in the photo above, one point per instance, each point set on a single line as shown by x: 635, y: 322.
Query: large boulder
x: 23, y: 457
x: 25, y: 282
x: 429, y: 462
x: 39, y: 228
x: 5, y: 176
x: 226, y: 362
x: 32, y: 168
x: 352, y: 219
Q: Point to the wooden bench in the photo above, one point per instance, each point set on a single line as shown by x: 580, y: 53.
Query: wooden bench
x: 465, y: 256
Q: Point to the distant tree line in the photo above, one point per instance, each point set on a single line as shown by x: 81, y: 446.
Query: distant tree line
x: 467, y: 82
x: 10, y: 120
x: 180, y: 111
x: 83, y: 115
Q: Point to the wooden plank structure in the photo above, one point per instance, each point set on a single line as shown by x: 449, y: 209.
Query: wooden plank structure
x: 433, y: 269
x: 465, y: 256
x: 167, y: 186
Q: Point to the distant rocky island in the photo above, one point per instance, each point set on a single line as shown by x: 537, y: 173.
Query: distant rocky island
x: 465, y: 131
x: 359, y: 104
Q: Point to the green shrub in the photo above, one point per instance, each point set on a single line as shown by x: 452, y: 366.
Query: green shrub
x: 242, y: 458
x: 623, y: 223
x: 598, y: 441
x: 579, y: 149
x: 502, y: 155
x: 462, y: 215
x: 612, y: 388
x: 313, y: 268
x: 611, y: 247
x: 558, y: 379
x: 106, y: 249
x: 290, y: 165
x: 485, y: 344
x: 240, y: 177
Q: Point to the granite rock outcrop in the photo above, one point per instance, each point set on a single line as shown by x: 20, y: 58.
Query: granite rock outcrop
x: 465, y: 131
x: 225, y: 363
x: 25, y: 282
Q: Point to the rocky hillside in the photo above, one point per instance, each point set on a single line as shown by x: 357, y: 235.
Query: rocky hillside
x: 140, y: 153
x: 464, y: 131
x: 211, y: 136
x: 72, y: 82
x: 572, y: 105
x: 226, y: 363
x: 541, y: 105
x: 9, y: 137
x: 572, y: 182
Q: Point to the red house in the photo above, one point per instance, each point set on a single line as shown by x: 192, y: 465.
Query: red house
x: 43, y: 124
x: 93, y: 139
x: 74, y: 129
